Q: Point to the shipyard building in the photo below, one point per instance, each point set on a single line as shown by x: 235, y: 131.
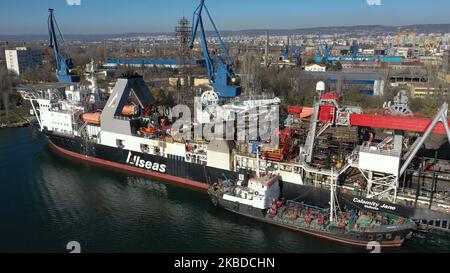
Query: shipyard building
x: 20, y: 59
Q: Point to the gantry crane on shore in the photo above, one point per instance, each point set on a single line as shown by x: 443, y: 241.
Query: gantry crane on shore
x: 63, y: 60
x: 220, y: 67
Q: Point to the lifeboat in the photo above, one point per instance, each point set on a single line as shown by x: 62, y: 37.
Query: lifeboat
x: 129, y: 110
x: 93, y: 118
x: 307, y: 112
x: 300, y: 111
x: 147, y: 130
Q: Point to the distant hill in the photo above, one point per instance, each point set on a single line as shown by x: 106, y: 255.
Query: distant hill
x: 72, y: 37
x: 363, y: 29
x: 374, y: 29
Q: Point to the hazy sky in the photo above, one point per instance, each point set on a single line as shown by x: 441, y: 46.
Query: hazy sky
x: 119, y: 16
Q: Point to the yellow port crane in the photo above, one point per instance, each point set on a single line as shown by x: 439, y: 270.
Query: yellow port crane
x: 432, y: 43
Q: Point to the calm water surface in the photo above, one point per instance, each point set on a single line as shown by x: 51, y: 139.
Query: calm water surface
x: 47, y: 201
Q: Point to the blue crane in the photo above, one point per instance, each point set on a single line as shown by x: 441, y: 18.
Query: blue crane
x: 354, y: 50
x: 323, y: 53
x: 220, y: 69
x: 285, y: 56
x: 298, y: 55
x: 63, y: 61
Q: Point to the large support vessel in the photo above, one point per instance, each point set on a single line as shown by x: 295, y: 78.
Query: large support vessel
x: 374, y: 158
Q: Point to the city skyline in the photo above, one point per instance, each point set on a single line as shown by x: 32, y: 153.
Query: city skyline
x: 23, y: 17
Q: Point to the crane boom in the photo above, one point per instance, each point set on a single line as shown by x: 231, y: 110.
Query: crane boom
x: 199, y: 22
x: 63, y: 61
x: 412, y: 124
x: 223, y: 79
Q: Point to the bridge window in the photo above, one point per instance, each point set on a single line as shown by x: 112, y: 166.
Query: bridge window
x: 145, y: 148
x: 119, y: 143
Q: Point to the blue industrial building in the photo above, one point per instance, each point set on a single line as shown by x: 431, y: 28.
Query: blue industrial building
x: 152, y: 63
x: 384, y: 59
x: 369, y: 83
x: 367, y: 87
x: 324, y: 54
x: 391, y: 59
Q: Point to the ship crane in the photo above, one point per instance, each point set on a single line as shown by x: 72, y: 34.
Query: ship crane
x: 63, y: 60
x: 402, y: 123
x: 220, y: 68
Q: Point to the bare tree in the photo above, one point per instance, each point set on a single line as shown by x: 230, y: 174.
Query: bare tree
x: 8, y: 81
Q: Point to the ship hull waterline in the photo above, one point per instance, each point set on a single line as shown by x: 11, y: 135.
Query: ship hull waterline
x: 199, y: 177
x: 257, y: 214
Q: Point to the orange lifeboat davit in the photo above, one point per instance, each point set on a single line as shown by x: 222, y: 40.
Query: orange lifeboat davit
x: 129, y: 110
x: 93, y: 118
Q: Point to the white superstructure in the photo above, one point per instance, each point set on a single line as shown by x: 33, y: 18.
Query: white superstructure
x: 259, y: 193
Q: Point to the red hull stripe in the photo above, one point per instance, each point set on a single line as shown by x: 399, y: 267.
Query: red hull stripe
x: 191, y: 183
x: 115, y: 165
x: 396, y: 243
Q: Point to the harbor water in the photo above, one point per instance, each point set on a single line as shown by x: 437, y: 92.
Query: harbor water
x: 47, y: 201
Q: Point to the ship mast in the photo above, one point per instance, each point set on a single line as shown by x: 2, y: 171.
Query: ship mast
x: 332, y: 198
x: 92, y: 78
x: 257, y: 162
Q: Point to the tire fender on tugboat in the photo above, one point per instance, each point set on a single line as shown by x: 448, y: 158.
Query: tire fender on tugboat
x: 215, y: 201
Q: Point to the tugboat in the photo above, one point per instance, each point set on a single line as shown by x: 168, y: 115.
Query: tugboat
x: 260, y: 198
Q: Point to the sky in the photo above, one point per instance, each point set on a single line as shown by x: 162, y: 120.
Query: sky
x: 124, y: 16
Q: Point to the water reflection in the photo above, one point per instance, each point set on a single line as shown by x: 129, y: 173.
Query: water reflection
x: 48, y: 200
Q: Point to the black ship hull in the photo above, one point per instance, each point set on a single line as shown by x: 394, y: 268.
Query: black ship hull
x: 167, y: 169
x: 200, y: 176
x: 321, y: 197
